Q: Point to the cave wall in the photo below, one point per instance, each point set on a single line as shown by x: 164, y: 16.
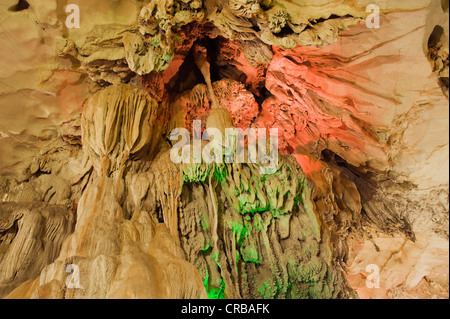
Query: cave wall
x: 362, y: 116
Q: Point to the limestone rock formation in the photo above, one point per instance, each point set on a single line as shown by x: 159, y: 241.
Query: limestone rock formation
x: 93, y: 204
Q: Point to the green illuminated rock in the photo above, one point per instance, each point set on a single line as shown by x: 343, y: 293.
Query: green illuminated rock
x: 267, y: 242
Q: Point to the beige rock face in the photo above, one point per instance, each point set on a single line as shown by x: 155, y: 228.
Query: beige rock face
x: 93, y: 205
x: 406, y: 269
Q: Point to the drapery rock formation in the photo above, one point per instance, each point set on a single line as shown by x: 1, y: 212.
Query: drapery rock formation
x: 93, y: 205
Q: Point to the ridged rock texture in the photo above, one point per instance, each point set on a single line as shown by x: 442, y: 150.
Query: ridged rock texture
x: 93, y: 206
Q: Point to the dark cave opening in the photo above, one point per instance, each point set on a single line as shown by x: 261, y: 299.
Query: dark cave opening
x: 222, y: 55
x: 436, y: 55
x: 285, y: 32
x: 435, y: 36
x: 20, y: 6
x: 189, y: 75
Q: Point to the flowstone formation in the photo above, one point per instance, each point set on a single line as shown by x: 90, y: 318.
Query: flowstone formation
x: 93, y: 204
x: 115, y: 253
x: 257, y: 236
